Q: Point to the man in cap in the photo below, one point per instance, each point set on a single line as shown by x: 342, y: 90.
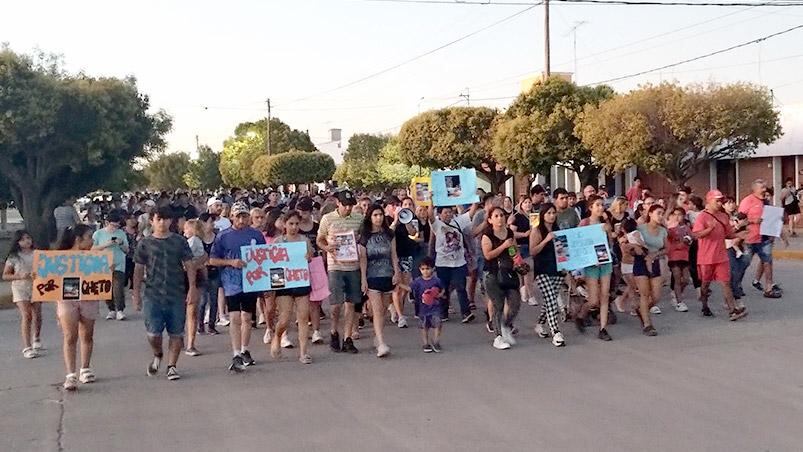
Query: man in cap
x: 215, y: 207
x: 344, y: 276
x: 242, y: 306
x: 711, y: 229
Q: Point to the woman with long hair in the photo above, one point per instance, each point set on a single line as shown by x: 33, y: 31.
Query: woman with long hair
x: 272, y: 230
x: 647, y: 267
x: 405, y: 248
x: 547, y: 276
x: 379, y: 267
x: 597, y: 277
x: 501, y: 281
x: 77, y: 318
x: 519, y: 223
x: 287, y: 299
x: 212, y: 284
x: 19, y: 270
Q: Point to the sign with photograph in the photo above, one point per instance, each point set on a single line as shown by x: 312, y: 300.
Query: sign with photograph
x: 454, y: 187
x: 275, y: 267
x: 420, y: 191
x: 72, y: 275
x: 581, y: 247
x: 345, y: 244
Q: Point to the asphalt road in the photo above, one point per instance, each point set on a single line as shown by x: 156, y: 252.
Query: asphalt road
x: 701, y: 385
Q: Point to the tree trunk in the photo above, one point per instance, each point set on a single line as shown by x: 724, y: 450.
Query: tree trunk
x: 37, y: 214
x: 589, y: 175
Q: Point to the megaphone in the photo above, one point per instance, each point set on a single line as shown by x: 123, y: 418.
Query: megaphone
x: 406, y: 216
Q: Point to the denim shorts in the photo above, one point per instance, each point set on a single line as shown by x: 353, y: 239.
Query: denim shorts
x: 599, y: 271
x: 161, y: 316
x: 345, y: 286
x: 763, y: 250
x: 640, y: 267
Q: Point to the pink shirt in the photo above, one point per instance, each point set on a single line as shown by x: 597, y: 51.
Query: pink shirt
x: 633, y: 195
x: 711, y: 248
x: 753, y: 207
x: 678, y: 248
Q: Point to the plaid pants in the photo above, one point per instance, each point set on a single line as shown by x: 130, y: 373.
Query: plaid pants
x: 549, y: 286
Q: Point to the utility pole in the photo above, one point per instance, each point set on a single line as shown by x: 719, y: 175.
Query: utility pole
x: 547, y: 70
x: 197, y: 145
x: 267, y: 139
x: 467, y: 97
x: 573, y: 31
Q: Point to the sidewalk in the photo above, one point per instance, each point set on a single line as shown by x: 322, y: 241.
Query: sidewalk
x: 794, y: 251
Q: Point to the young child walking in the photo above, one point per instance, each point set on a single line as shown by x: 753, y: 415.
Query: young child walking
x: 427, y: 291
x: 19, y: 270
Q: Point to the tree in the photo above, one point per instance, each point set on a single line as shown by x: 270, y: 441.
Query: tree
x: 248, y: 143
x: 674, y: 130
x: 167, y: 171
x: 451, y: 138
x: 293, y: 167
x: 64, y: 135
x: 538, y: 130
x: 204, y: 172
x: 374, y: 162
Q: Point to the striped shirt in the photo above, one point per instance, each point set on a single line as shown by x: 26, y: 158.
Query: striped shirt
x: 331, y: 224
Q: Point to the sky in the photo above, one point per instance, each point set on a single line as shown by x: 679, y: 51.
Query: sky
x: 213, y: 64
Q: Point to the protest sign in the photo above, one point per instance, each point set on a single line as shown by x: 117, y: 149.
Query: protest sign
x: 420, y: 191
x: 454, y: 187
x: 581, y: 247
x: 772, y: 221
x: 275, y: 267
x: 345, y: 244
x: 72, y: 275
x: 319, y: 282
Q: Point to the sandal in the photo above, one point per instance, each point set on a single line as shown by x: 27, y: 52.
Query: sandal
x: 737, y: 314
x: 87, y: 376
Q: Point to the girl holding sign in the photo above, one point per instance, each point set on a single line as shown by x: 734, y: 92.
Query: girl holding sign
x: 598, y: 277
x: 547, y: 276
x: 19, y: 270
x: 77, y: 318
x: 287, y: 298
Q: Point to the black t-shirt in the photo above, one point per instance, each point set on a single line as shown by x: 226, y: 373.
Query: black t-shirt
x: 505, y: 259
x: 211, y: 270
x: 522, y: 223
x: 189, y: 212
x: 312, y: 235
x: 405, y: 246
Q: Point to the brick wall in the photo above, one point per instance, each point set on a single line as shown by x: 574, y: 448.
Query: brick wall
x: 752, y: 169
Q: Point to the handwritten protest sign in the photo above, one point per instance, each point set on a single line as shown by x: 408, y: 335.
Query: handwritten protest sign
x: 420, y: 191
x: 72, y: 275
x: 581, y: 247
x: 454, y: 187
x: 275, y: 267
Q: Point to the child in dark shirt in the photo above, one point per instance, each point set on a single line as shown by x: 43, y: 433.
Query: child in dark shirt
x: 427, y: 290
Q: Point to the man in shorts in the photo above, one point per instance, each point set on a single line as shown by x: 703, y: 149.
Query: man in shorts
x: 344, y: 277
x: 166, y: 257
x: 711, y: 229
x: 242, y: 306
x: 753, y: 207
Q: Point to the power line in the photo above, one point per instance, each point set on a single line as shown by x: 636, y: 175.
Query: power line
x: 418, y: 57
x: 707, y: 55
x: 600, y: 2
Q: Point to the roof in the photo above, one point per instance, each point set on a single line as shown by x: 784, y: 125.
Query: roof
x: 791, y: 142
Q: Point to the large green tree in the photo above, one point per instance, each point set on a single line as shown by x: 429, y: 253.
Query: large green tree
x: 249, y: 143
x: 294, y: 167
x: 167, y: 171
x: 538, y: 130
x: 375, y: 162
x: 451, y: 138
x: 64, y: 135
x: 674, y: 130
x: 204, y: 172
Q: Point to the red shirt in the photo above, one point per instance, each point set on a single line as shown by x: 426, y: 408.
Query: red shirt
x: 633, y: 195
x: 753, y: 207
x: 678, y: 249
x: 711, y: 248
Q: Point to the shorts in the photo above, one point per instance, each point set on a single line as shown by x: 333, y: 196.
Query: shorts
x: 243, y: 302
x: 627, y: 269
x: 406, y: 264
x: 164, y: 316
x: 680, y: 264
x: 640, y: 267
x: 345, y: 287
x: 294, y: 292
x: 714, y: 272
x: 598, y: 271
x: 381, y: 285
x: 429, y: 321
x: 763, y: 250
x: 87, y: 310
x: 21, y: 291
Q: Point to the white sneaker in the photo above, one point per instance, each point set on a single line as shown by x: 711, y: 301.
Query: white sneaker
x: 120, y: 315
x: 655, y: 310
x: 224, y: 321
x: 71, y: 382
x: 111, y: 315
x: 557, y: 340
x: 30, y: 353
x: 681, y: 307
x: 541, y: 331
x: 500, y: 343
x: 86, y: 376
x: 382, y: 351
x: 532, y: 301
x: 317, y: 338
x: 507, y: 335
x: 286, y: 342
x: 261, y: 320
x: 394, y: 317
x: 267, y: 337
x: 37, y: 345
x: 402, y: 321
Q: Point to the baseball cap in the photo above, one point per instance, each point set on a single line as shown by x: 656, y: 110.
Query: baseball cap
x: 240, y: 208
x: 713, y: 194
x: 150, y: 203
x: 346, y: 198
x: 212, y: 201
x: 304, y: 204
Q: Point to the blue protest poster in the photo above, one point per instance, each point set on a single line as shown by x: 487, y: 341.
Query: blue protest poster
x: 581, y: 247
x: 454, y: 187
x: 275, y: 267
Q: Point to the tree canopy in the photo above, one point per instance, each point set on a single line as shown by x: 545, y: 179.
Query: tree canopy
x: 538, y: 130
x: 166, y: 171
x: 673, y: 130
x: 451, y: 138
x: 64, y: 135
x: 293, y: 167
x: 374, y: 162
x: 204, y: 172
